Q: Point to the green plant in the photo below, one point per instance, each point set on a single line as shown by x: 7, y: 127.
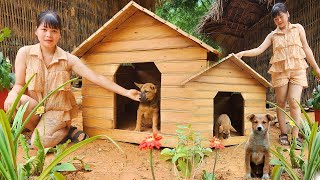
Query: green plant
x: 187, y: 157
x: 9, y: 135
x: 314, y: 101
x: 6, y: 77
x: 307, y: 162
x: 33, y: 165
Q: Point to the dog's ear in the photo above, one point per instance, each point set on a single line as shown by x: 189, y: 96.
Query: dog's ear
x: 250, y: 117
x: 270, y: 117
x: 220, y: 129
x: 233, y: 129
x: 154, y: 87
x: 138, y: 85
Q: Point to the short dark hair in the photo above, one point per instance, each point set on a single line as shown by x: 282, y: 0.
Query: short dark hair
x: 278, y: 8
x: 50, y: 19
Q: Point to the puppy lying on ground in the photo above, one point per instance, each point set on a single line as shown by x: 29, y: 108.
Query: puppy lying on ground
x: 223, y: 127
x: 148, y: 111
x: 257, y: 156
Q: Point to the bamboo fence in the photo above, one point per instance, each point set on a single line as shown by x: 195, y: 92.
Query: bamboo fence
x: 80, y: 19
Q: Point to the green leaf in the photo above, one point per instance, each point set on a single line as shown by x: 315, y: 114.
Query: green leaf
x: 182, y: 166
x: 57, y: 176
x: 61, y: 148
x: 276, y: 172
x: 40, y: 157
x: 85, y: 165
x: 7, y: 150
x: 275, y: 162
x: 64, y: 167
x: 208, y: 175
x: 167, y: 154
x: 24, y: 145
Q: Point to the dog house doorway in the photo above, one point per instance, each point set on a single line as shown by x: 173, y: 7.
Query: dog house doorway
x: 232, y: 104
x: 126, y: 75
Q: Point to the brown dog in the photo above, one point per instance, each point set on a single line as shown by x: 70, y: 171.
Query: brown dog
x: 257, y: 156
x: 148, y: 110
x: 223, y: 127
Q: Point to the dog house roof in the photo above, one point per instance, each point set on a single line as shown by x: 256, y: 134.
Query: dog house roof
x: 242, y: 65
x: 130, y: 9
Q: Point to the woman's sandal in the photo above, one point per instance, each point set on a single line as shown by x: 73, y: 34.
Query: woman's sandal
x: 75, y: 137
x: 299, y: 142
x: 283, y: 140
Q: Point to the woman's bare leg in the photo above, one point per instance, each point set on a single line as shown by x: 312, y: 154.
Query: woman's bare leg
x: 294, y: 94
x: 51, y: 131
x: 281, y: 99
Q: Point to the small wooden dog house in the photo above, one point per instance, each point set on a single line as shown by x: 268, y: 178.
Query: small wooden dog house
x: 138, y: 46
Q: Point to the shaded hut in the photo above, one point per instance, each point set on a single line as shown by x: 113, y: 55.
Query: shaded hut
x: 138, y: 46
x: 243, y: 24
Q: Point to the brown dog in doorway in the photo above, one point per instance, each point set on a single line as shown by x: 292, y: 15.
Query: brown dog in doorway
x: 148, y: 110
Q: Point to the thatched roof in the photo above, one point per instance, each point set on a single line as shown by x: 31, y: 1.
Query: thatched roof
x: 228, y: 20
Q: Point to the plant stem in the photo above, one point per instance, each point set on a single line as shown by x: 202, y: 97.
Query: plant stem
x: 151, y: 165
x: 215, y: 162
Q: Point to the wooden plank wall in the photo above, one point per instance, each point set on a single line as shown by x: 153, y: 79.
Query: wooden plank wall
x: 141, y: 38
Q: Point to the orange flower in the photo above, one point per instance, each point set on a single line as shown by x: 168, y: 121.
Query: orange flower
x: 150, y: 142
x: 216, y: 143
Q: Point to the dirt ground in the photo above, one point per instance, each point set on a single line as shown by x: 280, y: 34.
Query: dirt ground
x: 107, y: 162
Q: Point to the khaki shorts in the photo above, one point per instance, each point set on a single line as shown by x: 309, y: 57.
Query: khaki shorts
x: 298, y: 77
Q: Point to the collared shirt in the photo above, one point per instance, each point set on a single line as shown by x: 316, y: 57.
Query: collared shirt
x: 288, y: 53
x: 62, y: 104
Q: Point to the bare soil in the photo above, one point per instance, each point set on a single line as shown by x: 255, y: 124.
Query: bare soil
x: 107, y: 162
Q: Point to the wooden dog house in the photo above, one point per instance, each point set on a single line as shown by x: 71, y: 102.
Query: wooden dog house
x: 138, y: 46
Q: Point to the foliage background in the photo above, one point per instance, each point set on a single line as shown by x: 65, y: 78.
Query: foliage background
x: 186, y: 15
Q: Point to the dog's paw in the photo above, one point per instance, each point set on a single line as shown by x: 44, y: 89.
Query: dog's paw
x: 265, y: 176
x: 137, y: 129
x: 248, y: 176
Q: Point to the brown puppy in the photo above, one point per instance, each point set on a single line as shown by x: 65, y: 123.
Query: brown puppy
x: 148, y: 111
x: 223, y: 127
x: 257, y: 156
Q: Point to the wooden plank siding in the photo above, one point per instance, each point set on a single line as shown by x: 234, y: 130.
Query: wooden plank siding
x: 180, y: 54
x: 98, y: 112
x: 140, y: 45
x: 181, y: 67
x: 95, y: 91
x: 97, y: 123
x: 104, y: 69
x: 171, y: 127
x: 102, y: 102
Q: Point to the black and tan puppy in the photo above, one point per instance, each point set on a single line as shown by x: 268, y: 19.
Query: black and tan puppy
x: 148, y: 111
x: 257, y: 155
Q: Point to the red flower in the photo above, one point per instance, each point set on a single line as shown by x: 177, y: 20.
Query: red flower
x: 150, y: 142
x: 216, y: 143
